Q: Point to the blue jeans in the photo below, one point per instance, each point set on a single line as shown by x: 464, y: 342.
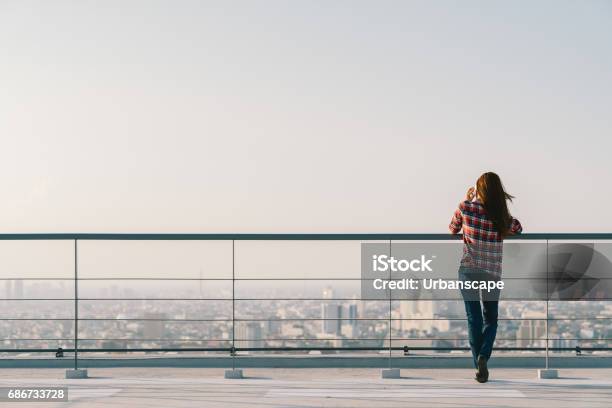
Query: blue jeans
x: 481, y: 334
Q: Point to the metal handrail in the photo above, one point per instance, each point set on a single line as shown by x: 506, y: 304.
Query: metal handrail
x: 288, y: 237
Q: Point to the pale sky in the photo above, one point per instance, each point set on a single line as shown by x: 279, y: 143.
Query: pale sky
x: 301, y: 116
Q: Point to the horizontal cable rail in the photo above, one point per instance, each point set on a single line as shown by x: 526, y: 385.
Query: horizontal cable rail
x: 394, y: 340
x: 289, y: 349
x: 291, y: 319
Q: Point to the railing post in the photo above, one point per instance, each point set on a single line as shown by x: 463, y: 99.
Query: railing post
x: 76, y: 372
x: 390, y: 311
x: 390, y: 372
x: 233, y: 373
x: 547, y: 331
x: 76, y: 306
x: 547, y: 373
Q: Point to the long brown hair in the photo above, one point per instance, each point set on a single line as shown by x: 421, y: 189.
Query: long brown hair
x: 493, y: 196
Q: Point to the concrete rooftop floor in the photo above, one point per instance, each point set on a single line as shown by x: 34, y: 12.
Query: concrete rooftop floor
x: 328, y: 387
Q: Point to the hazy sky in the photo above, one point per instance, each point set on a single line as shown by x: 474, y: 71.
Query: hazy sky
x: 301, y: 116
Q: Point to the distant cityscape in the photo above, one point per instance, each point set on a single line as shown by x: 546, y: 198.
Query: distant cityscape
x: 199, y: 315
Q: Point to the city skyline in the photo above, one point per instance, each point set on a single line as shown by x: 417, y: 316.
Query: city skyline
x: 296, y: 321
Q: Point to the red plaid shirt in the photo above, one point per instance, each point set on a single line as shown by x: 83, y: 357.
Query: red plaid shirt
x: 483, y: 246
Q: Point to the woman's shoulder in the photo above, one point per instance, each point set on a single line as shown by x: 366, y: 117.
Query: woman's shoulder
x: 471, y: 206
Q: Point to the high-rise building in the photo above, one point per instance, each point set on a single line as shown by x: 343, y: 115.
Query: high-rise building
x: 562, y: 342
x: 531, y: 331
x: 331, y: 313
x: 249, y: 335
x: 352, y: 313
x: 349, y: 326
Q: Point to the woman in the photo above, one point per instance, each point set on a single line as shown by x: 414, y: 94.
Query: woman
x: 485, y: 220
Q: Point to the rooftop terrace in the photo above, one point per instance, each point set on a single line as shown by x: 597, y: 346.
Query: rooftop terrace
x: 270, y: 388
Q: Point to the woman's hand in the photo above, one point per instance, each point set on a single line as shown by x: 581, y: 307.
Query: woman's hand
x: 470, y: 194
